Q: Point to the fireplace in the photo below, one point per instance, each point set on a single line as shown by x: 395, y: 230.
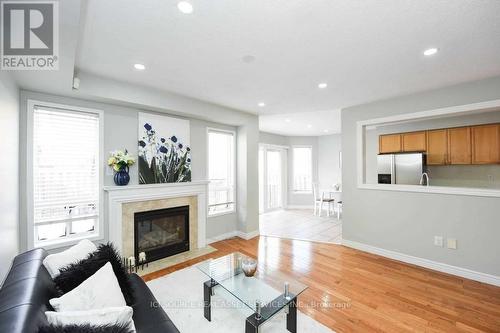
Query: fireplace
x: 161, y: 233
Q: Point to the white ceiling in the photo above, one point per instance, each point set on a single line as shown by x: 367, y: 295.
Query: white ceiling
x: 365, y: 50
x: 313, y: 123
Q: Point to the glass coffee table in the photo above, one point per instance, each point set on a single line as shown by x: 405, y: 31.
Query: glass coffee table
x: 265, y: 296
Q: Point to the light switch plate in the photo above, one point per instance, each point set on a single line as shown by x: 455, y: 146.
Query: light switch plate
x: 452, y: 243
x: 438, y: 241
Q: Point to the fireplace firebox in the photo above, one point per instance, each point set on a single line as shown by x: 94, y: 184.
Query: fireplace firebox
x: 161, y: 233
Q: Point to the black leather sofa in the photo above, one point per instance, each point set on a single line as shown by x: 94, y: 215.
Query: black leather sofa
x: 25, y: 294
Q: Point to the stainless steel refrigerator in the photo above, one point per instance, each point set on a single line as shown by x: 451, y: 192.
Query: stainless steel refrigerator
x: 400, y: 168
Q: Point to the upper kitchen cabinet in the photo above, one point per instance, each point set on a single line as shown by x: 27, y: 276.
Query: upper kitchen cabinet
x: 459, y: 145
x: 486, y: 144
x: 414, y: 142
x: 390, y: 143
x: 437, y: 147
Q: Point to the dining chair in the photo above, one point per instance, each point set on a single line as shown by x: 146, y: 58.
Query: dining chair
x: 319, y: 200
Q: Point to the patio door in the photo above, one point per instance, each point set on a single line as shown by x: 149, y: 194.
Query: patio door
x: 272, y: 178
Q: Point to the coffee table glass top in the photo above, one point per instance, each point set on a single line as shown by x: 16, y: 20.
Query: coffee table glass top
x: 227, y: 272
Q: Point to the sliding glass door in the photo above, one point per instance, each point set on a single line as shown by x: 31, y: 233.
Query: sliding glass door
x: 272, y: 178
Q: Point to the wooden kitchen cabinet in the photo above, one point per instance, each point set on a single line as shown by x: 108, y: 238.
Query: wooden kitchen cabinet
x: 485, y: 144
x: 437, y: 147
x: 390, y: 143
x: 414, y: 142
x: 459, y: 145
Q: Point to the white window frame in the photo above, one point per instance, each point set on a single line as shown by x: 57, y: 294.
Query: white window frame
x: 30, y: 227
x: 294, y: 190
x: 233, y: 164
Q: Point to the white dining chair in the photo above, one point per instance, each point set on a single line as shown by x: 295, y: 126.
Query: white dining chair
x: 319, y: 200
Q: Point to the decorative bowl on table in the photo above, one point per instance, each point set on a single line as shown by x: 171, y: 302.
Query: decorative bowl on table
x: 249, y: 266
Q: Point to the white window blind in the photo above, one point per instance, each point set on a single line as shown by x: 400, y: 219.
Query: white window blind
x: 302, y: 169
x: 221, y: 165
x: 65, y: 173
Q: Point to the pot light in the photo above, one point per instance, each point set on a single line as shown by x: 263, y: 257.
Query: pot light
x: 322, y: 85
x: 309, y: 126
x: 430, y: 51
x: 288, y: 120
x: 261, y: 104
x: 139, y: 67
x: 185, y: 7
x: 325, y: 131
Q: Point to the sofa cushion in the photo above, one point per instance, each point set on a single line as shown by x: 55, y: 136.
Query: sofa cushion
x: 54, y: 262
x: 74, y: 274
x: 84, y: 329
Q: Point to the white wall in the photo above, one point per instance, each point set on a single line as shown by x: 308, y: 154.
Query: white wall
x: 9, y: 172
x: 120, y: 132
x: 406, y: 222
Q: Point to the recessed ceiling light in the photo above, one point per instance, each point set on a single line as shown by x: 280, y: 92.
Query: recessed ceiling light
x: 309, y: 126
x: 139, y: 67
x: 261, y: 104
x: 288, y: 120
x: 322, y: 85
x: 185, y: 7
x: 430, y: 51
x: 248, y: 59
x: 325, y: 131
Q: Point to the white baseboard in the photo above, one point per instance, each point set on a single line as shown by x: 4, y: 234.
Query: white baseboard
x: 300, y: 207
x: 217, y: 238
x: 247, y: 235
x: 231, y: 234
x: 434, y: 265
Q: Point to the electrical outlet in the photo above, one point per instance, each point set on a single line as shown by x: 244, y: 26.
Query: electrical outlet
x: 438, y: 241
x: 452, y: 243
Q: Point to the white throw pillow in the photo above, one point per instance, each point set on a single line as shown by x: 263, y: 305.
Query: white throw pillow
x: 98, y: 317
x: 101, y: 290
x: 54, y: 262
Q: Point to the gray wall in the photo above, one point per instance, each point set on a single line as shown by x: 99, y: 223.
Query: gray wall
x: 406, y: 222
x: 477, y: 176
x: 120, y: 132
x: 329, y: 169
x: 9, y: 172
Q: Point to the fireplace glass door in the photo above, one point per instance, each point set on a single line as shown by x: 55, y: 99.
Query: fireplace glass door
x: 161, y: 233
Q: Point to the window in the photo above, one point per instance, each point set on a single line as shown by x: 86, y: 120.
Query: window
x: 65, y: 174
x: 302, y: 169
x: 221, y: 164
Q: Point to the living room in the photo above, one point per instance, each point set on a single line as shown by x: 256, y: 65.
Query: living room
x: 179, y: 166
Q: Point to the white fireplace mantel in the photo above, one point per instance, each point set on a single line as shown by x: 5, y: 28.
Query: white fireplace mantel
x: 118, y: 195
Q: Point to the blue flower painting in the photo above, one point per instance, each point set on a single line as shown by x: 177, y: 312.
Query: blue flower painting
x: 163, y: 149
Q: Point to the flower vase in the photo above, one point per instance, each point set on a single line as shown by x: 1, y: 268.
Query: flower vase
x: 122, y: 177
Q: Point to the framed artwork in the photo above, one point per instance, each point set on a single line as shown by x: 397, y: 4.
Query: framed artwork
x: 164, y: 154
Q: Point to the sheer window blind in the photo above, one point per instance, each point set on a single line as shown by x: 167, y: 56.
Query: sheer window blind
x: 221, y: 165
x: 65, y: 173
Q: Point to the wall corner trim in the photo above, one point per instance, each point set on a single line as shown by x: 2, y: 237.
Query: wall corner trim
x: 430, y: 264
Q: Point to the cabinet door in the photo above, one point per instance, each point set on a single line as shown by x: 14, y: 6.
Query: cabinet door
x: 437, y: 147
x: 414, y: 141
x: 485, y: 144
x: 390, y: 143
x: 459, y: 145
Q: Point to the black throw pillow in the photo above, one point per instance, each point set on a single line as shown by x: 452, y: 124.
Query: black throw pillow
x: 73, y: 275
x: 84, y: 329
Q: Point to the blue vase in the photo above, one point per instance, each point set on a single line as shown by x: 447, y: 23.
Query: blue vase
x: 122, y: 177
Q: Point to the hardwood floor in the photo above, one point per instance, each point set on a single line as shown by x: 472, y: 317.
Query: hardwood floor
x: 354, y: 291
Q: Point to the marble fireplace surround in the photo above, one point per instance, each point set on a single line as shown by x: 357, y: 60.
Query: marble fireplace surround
x: 123, y: 201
